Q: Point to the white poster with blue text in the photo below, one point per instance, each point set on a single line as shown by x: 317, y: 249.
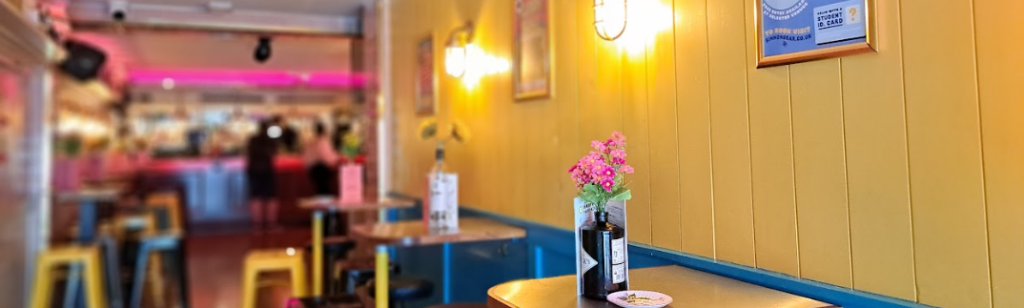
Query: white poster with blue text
x: 794, y: 26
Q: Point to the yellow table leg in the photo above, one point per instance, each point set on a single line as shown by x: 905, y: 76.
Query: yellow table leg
x: 318, y: 253
x: 382, y: 276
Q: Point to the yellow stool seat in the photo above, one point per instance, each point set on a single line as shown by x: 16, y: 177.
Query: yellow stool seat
x: 262, y: 261
x: 87, y: 256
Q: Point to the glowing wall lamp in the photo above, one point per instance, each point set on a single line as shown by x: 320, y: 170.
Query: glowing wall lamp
x: 610, y: 18
x: 466, y: 60
x: 455, y: 51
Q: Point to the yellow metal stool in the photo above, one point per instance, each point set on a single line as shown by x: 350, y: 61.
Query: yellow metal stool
x: 170, y: 203
x: 261, y: 261
x: 87, y: 256
x: 146, y: 223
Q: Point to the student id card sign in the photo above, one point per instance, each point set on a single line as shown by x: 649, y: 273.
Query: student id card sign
x: 442, y: 208
x: 791, y: 31
x: 583, y: 215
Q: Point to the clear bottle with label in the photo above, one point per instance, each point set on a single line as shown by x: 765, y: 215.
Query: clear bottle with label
x: 436, y: 173
x: 604, y: 243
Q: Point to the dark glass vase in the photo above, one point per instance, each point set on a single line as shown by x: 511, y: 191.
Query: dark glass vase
x: 605, y: 261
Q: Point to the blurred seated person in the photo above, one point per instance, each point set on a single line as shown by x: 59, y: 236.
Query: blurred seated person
x: 259, y: 169
x: 320, y: 158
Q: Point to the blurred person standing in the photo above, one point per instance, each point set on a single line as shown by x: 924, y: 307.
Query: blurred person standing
x: 261, y: 176
x: 321, y: 158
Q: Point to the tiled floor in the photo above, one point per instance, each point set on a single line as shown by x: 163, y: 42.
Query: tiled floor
x: 215, y: 265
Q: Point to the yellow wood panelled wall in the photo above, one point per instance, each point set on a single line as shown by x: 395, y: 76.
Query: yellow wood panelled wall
x: 899, y: 172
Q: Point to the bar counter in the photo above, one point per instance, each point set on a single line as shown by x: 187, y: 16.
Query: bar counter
x: 214, y: 190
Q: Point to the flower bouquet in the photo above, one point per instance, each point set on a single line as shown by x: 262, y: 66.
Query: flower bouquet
x: 601, y: 244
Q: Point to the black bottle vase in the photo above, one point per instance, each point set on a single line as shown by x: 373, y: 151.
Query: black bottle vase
x: 604, y: 262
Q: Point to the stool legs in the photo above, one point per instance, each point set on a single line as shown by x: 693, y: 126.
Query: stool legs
x: 146, y: 250
x: 249, y: 287
x: 89, y: 258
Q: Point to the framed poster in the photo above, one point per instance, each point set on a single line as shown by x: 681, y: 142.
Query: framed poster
x: 792, y: 31
x: 425, y: 81
x: 531, y: 65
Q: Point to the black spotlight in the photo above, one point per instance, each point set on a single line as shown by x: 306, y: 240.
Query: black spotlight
x: 262, y: 53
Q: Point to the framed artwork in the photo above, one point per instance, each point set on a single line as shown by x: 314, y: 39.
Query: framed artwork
x: 792, y: 31
x: 531, y: 65
x: 426, y: 85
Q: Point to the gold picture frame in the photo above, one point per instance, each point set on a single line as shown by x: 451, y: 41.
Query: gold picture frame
x: 834, y: 49
x: 532, y: 49
x: 426, y: 77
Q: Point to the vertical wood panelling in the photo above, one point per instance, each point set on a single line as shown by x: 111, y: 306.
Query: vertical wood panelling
x: 771, y: 164
x: 951, y: 251
x: 730, y: 152
x: 897, y: 172
x: 661, y: 88
x: 1000, y: 31
x: 694, y: 127
x: 818, y: 146
x: 567, y: 93
x: 876, y: 155
x: 635, y: 121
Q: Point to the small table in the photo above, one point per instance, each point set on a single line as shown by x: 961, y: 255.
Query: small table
x: 416, y: 233
x: 88, y: 200
x: 687, y: 287
x: 330, y: 204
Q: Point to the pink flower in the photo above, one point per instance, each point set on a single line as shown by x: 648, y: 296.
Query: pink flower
x: 618, y: 161
x: 573, y: 168
x: 607, y: 184
x: 597, y: 145
x: 606, y: 172
x: 627, y: 169
x: 619, y: 153
x: 618, y: 136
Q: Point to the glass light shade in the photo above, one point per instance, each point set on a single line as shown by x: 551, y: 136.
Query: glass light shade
x: 610, y: 18
x: 455, y: 60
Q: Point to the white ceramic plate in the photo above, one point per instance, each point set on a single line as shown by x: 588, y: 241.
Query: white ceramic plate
x: 639, y: 299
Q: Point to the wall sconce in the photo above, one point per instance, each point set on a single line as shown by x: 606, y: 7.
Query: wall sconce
x: 610, y: 18
x: 466, y: 60
x: 455, y: 50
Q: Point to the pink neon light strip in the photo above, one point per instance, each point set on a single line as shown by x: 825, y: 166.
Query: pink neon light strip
x: 248, y: 78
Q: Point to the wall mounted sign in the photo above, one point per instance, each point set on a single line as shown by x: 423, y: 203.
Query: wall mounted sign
x: 531, y: 33
x: 791, y: 31
x: 425, y: 81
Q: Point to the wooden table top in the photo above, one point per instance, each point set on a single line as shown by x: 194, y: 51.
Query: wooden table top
x: 331, y: 203
x: 687, y: 287
x: 414, y: 232
x: 96, y: 194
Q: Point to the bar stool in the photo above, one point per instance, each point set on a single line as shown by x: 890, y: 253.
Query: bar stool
x: 335, y: 249
x: 261, y: 261
x: 171, y: 219
x: 87, y: 256
x: 354, y: 273
x: 402, y: 289
x: 148, y: 245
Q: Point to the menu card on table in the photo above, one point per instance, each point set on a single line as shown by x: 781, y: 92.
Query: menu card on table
x: 442, y: 207
x: 351, y: 182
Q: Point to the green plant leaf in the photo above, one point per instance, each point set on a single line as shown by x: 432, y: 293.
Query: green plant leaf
x: 622, y: 196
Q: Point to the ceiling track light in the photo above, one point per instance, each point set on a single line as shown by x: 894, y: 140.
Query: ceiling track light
x: 263, y: 50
